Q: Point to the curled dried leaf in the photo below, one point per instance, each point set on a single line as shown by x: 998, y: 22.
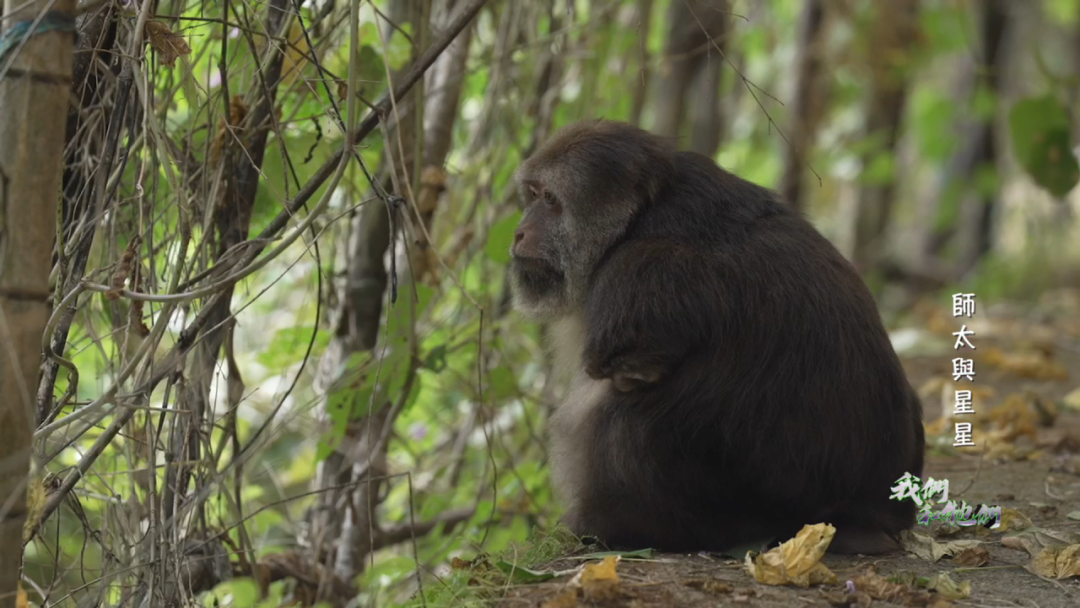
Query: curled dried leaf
x: 796, y: 561
x: 168, y: 45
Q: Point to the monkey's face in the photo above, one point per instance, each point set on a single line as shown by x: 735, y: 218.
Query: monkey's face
x: 538, y: 269
x: 579, y: 192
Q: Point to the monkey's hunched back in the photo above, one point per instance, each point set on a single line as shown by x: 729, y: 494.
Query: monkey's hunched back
x: 731, y: 378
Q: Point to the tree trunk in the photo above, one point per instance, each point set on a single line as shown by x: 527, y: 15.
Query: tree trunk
x: 978, y: 151
x: 807, y: 102
x: 687, y: 85
x: 644, y: 11
x: 893, y: 35
x: 34, y: 94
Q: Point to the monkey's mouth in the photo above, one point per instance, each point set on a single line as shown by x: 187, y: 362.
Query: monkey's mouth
x: 530, y: 265
x: 536, y: 277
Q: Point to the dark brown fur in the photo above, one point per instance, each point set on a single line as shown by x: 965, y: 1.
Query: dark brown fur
x: 729, y: 376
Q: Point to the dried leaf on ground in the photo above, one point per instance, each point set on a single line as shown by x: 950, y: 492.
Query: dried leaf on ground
x: 1011, y: 519
x: 1057, y: 562
x: 709, y: 585
x: 599, y: 579
x: 1015, y: 417
x: 974, y: 557
x: 903, y: 588
x: 796, y: 561
x: 1053, y: 554
x: 1033, y: 364
x: 1068, y: 444
x: 925, y: 547
x: 948, y: 588
x: 878, y: 587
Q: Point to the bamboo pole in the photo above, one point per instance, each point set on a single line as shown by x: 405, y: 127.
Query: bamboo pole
x: 35, y: 85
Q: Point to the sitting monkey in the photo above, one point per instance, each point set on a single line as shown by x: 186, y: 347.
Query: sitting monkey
x: 730, y: 379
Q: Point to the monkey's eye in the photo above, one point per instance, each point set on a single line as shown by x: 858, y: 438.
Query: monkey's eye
x: 551, y: 202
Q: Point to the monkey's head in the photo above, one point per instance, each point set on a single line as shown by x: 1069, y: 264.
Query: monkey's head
x: 579, y: 193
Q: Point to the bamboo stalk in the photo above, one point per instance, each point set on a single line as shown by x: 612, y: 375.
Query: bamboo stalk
x: 35, y: 83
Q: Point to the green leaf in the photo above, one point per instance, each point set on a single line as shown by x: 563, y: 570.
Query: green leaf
x: 436, y: 359
x: 387, y: 571
x: 289, y: 345
x: 330, y: 442
x: 740, y: 551
x: 503, y: 384
x: 1061, y: 12
x: 879, y: 170
x: 1040, y: 129
x: 370, y: 68
x: 640, y: 554
x: 1031, y: 119
x: 939, y: 26
x: 520, y: 575
x: 1055, y: 166
x: 398, y: 48
x: 933, y: 123
x: 238, y: 593
x: 500, y: 237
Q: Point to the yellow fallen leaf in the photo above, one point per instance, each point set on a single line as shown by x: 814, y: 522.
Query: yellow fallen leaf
x: 21, y: 601
x: 1056, y: 562
x: 598, y: 579
x: 1054, y: 553
x: 796, y: 561
x: 1011, y: 519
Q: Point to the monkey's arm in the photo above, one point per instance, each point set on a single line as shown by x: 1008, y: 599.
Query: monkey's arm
x: 650, y: 303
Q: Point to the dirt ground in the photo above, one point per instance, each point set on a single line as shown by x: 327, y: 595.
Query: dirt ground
x: 1036, y: 479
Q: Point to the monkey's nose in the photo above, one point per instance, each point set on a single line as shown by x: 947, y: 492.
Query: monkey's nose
x: 518, y: 235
